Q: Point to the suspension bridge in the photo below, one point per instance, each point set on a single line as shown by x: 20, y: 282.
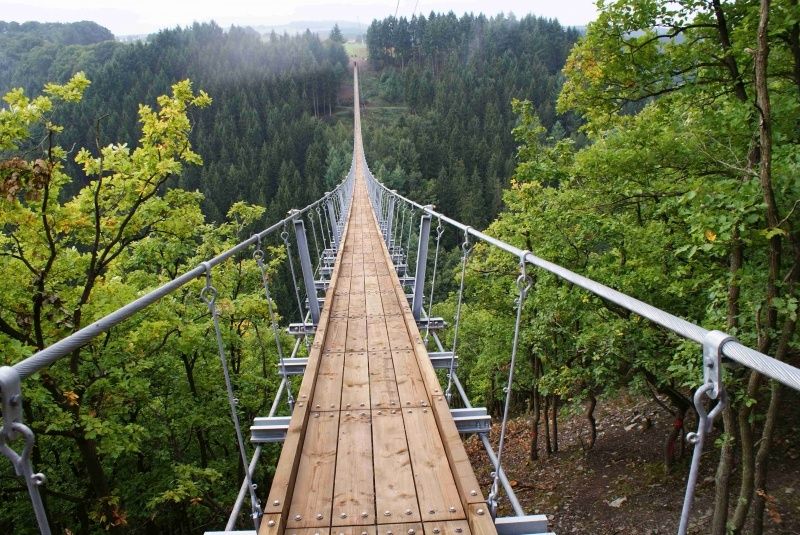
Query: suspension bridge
x: 373, y: 445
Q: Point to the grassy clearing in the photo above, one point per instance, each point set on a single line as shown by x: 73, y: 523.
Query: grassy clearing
x: 356, y: 50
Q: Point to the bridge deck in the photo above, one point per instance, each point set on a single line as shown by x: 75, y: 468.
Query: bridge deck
x: 371, y: 448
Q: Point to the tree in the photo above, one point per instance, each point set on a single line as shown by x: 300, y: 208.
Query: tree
x: 336, y: 34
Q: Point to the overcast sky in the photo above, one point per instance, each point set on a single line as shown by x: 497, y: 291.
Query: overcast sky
x: 125, y: 17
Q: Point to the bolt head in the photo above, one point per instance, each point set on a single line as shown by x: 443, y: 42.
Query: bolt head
x: 298, y: 517
x: 271, y: 523
x: 343, y: 515
x: 481, y: 511
x: 276, y: 502
x: 473, y: 493
x: 452, y: 509
x: 319, y: 516
x: 436, y: 531
x: 364, y: 514
x: 387, y: 513
x: 411, y: 532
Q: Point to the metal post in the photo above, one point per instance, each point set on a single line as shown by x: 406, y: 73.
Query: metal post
x: 334, y: 224
x: 422, y: 262
x: 389, y: 222
x: 308, y: 272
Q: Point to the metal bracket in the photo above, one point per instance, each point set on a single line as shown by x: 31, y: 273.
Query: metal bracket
x: 294, y: 366
x: 269, y: 429
x: 441, y: 359
x: 712, y: 360
x: 472, y: 420
x: 13, y: 428
x: 432, y: 324
x: 301, y: 329
x: 521, y: 525
x: 11, y: 397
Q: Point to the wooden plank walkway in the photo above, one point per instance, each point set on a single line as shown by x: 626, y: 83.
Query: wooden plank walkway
x: 371, y: 447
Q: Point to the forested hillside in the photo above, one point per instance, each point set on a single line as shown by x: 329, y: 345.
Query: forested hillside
x: 452, y: 145
x: 264, y: 132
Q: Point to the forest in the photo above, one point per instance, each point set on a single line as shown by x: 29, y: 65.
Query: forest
x: 656, y: 152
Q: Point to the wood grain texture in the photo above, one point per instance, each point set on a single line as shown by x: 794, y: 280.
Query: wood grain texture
x: 354, y: 490
x: 395, y: 493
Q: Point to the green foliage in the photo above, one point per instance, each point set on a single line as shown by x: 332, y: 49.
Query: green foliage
x: 457, y: 77
x: 132, y: 429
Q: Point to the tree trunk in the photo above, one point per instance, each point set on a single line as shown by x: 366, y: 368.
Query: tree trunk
x: 548, y: 444
x: 555, y: 424
x: 592, y: 421
x: 762, y: 459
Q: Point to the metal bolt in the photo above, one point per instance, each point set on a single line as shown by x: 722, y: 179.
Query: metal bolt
x: 332, y: 415
x: 425, y: 411
x: 481, y: 511
x: 389, y: 532
x: 364, y: 514
x: 343, y: 515
x: 316, y: 415
x: 298, y: 517
x: 380, y: 412
x: 317, y: 405
x: 411, y: 532
x: 431, y: 512
x: 276, y: 502
x: 271, y: 523
x: 436, y: 531
x: 452, y: 509
x: 408, y: 511
x: 473, y: 493
x: 409, y: 412
x: 319, y: 516
x: 361, y: 404
x: 459, y: 530
x: 387, y: 513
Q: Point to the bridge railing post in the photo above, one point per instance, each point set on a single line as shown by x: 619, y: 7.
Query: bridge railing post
x: 333, y: 223
x: 422, y: 262
x: 389, y: 221
x: 308, y: 271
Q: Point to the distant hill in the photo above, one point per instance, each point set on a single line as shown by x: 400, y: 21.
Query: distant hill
x: 72, y: 33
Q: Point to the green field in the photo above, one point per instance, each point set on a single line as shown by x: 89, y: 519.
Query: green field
x: 356, y: 50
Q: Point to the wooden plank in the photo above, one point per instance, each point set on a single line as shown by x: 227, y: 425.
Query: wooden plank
x: 353, y: 530
x: 354, y: 490
x: 337, y: 335
x: 355, y: 382
x: 408, y: 528
x: 395, y: 494
x: 328, y: 392
x: 374, y: 305
x: 480, y: 521
x: 377, y: 335
x: 356, y: 333
x: 308, y: 531
x: 452, y: 527
x: 410, y: 386
x: 382, y: 383
x: 436, y: 489
x: 313, y: 493
x: 398, y: 335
